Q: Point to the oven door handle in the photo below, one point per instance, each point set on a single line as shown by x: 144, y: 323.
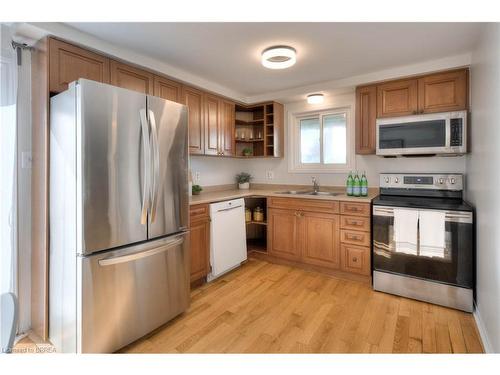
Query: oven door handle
x: 450, y: 216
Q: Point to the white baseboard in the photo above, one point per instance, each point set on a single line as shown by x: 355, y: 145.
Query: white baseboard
x: 482, y: 330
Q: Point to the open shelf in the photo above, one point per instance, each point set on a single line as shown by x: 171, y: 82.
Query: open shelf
x: 249, y: 140
x: 256, y: 222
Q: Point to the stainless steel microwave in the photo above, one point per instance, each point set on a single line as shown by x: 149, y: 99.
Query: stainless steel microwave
x: 429, y: 134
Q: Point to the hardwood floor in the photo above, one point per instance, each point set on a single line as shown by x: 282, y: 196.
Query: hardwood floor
x: 269, y: 308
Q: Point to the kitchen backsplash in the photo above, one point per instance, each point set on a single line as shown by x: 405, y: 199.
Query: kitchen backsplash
x: 217, y: 171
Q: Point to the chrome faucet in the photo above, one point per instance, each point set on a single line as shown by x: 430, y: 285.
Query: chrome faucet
x: 315, y: 185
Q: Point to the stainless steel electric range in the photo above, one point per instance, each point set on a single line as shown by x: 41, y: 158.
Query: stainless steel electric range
x: 423, y: 239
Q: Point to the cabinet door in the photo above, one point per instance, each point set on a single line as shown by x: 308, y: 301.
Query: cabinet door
x: 319, y: 239
x: 200, y: 248
x: 227, y: 128
x: 355, y: 259
x: 167, y: 89
x: 443, y: 92
x: 194, y: 100
x: 129, y: 77
x: 282, y: 234
x: 398, y: 98
x: 212, y: 125
x: 69, y: 63
x: 366, y: 115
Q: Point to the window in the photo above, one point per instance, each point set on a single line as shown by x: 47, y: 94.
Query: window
x: 320, y: 141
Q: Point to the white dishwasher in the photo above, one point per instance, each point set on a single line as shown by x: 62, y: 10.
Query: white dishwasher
x: 228, y: 245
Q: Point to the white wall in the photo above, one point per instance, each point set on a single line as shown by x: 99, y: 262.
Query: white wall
x: 484, y: 179
x: 217, y: 171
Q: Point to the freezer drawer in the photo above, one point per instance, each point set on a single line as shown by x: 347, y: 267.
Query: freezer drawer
x: 128, y: 293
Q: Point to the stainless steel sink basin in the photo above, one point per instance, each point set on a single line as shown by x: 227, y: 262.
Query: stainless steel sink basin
x: 296, y: 192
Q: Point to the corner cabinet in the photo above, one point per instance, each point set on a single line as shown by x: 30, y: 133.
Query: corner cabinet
x: 431, y: 93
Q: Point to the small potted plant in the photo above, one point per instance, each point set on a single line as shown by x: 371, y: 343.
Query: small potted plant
x: 196, y: 189
x: 247, y: 151
x: 243, y: 180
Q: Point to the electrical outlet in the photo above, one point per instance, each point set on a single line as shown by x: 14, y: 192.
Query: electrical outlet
x: 196, y: 177
x: 270, y: 175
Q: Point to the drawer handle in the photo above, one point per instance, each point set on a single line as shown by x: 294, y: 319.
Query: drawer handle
x: 354, y: 259
x: 353, y: 237
x: 355, y: 222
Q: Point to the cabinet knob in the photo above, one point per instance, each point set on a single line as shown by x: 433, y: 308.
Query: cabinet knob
x: 354, y: 259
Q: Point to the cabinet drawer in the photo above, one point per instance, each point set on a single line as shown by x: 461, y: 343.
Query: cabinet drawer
x: 355, y: 259
x: 198, y: 211
x: 356, y: 238
x: 314, y: 205
x: 355, y: 223
x: 354, y: 208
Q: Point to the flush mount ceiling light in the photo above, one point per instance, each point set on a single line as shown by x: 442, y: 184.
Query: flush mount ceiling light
x: 315, y: 98
x: 279, y: 57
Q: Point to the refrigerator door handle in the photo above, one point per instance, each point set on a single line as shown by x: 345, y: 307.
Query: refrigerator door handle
x: 178, y: 240
x: 156, y: 165
x: 147, y: 166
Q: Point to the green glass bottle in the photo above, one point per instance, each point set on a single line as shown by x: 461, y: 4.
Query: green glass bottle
x: 350, y: 184
x: 356, y: 189
x: 364, y: 185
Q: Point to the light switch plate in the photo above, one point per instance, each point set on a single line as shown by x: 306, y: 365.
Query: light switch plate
x: 270, y: 175
x: 196, y: 177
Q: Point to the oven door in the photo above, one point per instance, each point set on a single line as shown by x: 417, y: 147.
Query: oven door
x: 423, y: 134
x: 455, y: 268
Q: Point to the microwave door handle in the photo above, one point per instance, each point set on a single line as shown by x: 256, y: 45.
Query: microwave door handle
x: 447, y: 141
x: 146, y: 166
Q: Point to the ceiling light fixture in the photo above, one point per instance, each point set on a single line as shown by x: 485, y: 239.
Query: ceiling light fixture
x: 279, y: 57
x: 315, y: 98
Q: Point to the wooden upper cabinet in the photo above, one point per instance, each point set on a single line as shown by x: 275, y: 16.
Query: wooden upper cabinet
x: 167, y: 89
x: 320, y: 240
x: 132, y: 78
x: 67, y: 63
x: 193, y: 98
x: 366, y: 115
x: 226, y: 136
x: 212, y: 124
x: 443, y: 92
x: 398, y: 98
x: 282, y: 239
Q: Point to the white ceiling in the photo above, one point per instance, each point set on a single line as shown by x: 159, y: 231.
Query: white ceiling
x: 229, y: 53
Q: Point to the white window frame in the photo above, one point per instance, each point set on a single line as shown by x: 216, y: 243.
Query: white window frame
x: 297, y: 166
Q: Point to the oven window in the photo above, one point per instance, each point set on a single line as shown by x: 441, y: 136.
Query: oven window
x: 419, y: 134
x: 456, y: 267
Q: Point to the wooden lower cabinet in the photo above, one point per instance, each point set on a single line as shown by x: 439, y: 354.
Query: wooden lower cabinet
x: 282, y: 238
x: 199, y: 242
x: 319, y: 237
x: 355, y: 259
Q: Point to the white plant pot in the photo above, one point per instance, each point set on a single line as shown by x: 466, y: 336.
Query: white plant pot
x: 245, y: 185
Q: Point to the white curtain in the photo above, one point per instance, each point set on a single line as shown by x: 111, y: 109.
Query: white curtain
x: 8, y: 164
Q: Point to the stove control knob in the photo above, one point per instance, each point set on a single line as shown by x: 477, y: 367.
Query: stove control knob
x: 396, y: 180
x: 452, y: 180
x: 441, y: 181
x: 387, y: 179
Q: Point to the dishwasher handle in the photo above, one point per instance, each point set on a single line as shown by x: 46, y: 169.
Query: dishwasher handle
x: 142, y: 254
x: 229, y: 208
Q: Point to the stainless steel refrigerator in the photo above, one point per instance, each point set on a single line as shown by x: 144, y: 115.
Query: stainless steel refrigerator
x: 119, y: 254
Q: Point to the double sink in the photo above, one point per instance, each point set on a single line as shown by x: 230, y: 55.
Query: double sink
x: 297, y: 192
